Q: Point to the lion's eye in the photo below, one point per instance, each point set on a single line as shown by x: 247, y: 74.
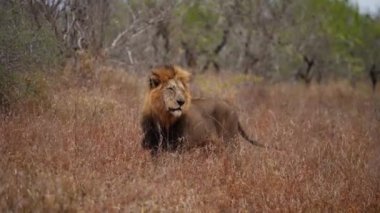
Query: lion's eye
x: 171, y: 88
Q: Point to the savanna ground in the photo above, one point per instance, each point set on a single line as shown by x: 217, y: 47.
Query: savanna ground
x: 82, y: 151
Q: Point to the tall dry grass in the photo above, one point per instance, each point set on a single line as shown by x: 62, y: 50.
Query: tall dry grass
x: 83, y: 152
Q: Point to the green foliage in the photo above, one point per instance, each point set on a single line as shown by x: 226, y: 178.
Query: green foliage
x: 198, y: 25
x: 23, y: 88
x: 24, y: 47
x: 22, y: 44
x: 342, y: 41
x: 334, y: 33
x: 352, y: 35
x: 119, y: 19
x: 7, y: 91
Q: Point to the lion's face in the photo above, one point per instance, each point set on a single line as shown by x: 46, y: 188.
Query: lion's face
x: 169, y: 95
x: 173, y: 95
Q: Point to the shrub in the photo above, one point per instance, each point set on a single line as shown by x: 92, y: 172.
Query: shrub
x: 24, y: 45
x: 28, y: 89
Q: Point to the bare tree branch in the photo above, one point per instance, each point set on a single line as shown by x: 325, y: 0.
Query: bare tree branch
x: 137, y: 27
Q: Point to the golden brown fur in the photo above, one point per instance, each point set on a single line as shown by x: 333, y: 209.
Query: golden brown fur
x: 158, y: 82
x: 172, y: 120
x: 212, y: 119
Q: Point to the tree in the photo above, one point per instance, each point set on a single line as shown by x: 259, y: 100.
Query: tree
x: 77, y: 24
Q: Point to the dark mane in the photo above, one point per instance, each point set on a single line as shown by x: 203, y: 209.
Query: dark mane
x: 158, y: 138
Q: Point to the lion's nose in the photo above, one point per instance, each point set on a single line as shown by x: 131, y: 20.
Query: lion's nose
x: 181, y: 102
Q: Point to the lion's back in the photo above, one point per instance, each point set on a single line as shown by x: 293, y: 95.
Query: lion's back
x: 210, y: 119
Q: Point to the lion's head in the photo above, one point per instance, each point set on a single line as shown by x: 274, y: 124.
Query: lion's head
x: 168, y: 96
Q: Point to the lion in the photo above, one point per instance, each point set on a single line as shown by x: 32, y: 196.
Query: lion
x: 173, y: 120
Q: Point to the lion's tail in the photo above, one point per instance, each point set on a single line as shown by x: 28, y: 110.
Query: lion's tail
x: 245, y: 136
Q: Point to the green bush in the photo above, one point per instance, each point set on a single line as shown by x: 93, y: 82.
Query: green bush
x: 23, y: 44
x: 24, y: 48
x: 29, y: 90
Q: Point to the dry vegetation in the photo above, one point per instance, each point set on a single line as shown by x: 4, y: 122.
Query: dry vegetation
x: 83, y: 151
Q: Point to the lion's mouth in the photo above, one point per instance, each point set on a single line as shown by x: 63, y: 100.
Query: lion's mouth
x: 175, y: 111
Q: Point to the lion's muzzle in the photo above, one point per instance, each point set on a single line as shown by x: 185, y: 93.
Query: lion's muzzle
x: 177, y: 111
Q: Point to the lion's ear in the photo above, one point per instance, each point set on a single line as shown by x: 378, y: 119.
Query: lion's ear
x: 154, y: 81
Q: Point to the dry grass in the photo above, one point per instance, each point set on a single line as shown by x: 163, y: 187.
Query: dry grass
x: 83, y: 153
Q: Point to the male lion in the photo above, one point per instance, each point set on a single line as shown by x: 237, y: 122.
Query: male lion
x: 172, y: 120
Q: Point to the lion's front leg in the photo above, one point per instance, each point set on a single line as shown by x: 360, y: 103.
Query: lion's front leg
x: 151, y: 135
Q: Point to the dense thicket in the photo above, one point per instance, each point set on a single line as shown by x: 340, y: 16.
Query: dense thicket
x: 280, y: 39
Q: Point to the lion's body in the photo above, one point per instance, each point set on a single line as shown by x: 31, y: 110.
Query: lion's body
x: 196, y: 122
x: 209, y: 120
